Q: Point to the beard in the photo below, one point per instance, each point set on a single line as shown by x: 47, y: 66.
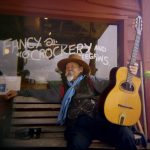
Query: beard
x: 69, y: 76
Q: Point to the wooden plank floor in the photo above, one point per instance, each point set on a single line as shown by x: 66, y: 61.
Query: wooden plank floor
x: 52, y: 144
x: 46, y: 143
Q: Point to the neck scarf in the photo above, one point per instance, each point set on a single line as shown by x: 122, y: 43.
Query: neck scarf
x: 67, y: 99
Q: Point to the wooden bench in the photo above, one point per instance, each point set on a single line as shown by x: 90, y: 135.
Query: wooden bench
x: 29, y: 112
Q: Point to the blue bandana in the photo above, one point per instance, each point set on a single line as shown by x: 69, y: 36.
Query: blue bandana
x: 67, y: 99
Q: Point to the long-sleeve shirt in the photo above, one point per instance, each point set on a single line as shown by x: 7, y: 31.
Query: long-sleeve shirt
x: 53, y: 94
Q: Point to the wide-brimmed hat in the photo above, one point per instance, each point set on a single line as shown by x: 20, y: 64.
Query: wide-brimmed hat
x: 74, y: 58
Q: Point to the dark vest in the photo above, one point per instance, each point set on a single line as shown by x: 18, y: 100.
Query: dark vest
x: 84, y: 101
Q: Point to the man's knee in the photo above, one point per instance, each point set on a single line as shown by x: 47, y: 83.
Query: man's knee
x: 126, y: 134
x: 126, y: 139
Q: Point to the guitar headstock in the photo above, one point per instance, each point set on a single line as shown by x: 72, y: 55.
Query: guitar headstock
x: 138, y: 25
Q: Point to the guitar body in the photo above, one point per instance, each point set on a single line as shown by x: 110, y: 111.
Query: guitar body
x: 122, y: 103
x: 121, y: 99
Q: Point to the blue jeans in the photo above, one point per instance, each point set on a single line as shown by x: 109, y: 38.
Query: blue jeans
x: 84, y: 129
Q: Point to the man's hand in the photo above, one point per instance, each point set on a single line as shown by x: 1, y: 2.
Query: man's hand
x: 10, y: 94
x: 134, y: 69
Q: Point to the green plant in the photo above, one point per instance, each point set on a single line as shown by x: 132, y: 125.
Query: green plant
x: 147, y: 74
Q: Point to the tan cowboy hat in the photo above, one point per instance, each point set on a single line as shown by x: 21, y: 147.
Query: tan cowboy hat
x: 74, y: 58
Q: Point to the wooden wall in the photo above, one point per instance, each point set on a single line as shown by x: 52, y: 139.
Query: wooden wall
x: 146, y: 55
x: 72, y: 8
x: 122, y: 11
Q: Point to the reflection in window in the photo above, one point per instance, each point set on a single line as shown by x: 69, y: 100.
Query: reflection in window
x: 32, y: 46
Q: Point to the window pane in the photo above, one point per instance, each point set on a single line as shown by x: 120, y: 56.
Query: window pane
x: 32, y: 46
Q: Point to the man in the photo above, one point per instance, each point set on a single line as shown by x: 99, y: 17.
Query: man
x: 79, y: 111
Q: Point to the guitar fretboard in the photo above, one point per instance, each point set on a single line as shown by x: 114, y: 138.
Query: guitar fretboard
x: 134, y: 56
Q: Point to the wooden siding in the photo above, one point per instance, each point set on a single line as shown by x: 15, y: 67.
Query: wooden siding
x: 146, y: 55
x: 71, y: 8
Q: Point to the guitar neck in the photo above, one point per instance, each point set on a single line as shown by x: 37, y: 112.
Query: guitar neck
x: 135, y: 49
x: 134, y: 56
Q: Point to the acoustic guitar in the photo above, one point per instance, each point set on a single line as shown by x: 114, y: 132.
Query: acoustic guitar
x: 122, y: 105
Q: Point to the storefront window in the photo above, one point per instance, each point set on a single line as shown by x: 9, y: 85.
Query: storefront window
x: 32, y: 46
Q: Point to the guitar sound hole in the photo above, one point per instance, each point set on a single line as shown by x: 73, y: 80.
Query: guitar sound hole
x: 127, y: 86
